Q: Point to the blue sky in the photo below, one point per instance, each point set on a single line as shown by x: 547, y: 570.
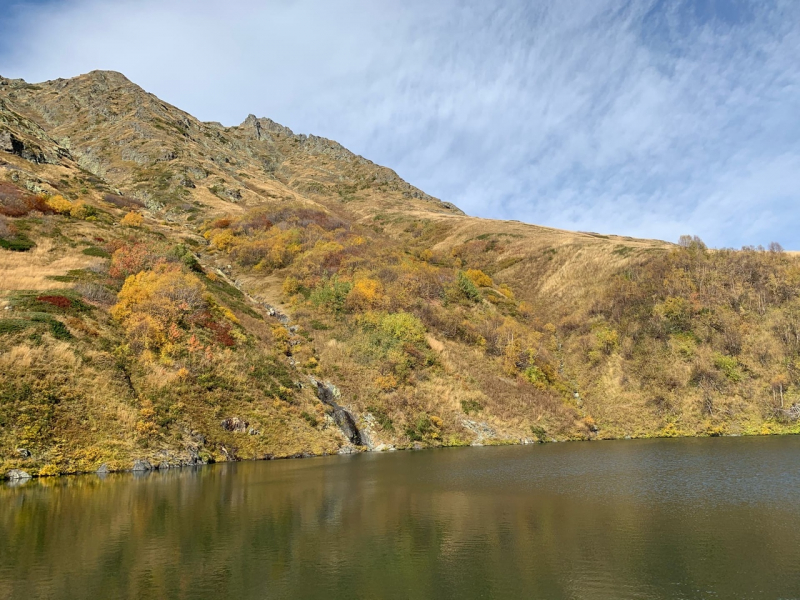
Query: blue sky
x: 651, y: 118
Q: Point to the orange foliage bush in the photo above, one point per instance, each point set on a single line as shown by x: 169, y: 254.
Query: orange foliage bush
x: 127, y: 260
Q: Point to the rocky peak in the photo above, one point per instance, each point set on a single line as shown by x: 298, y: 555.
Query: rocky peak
x: 261, y: 127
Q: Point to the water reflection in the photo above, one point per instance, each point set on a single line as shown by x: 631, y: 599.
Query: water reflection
x: 656, y: 519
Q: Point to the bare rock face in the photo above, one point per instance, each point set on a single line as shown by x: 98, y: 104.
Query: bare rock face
x: 235, y: 424
x: 329, y: 394
x: 141, y: 466
x: 263, y: 128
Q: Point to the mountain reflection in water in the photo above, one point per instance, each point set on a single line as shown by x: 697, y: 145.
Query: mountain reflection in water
x: 707, y: 518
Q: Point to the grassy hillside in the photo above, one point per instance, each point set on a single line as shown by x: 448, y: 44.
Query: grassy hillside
x: 173, y: 291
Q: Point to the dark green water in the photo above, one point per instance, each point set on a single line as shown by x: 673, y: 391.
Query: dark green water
x: 708, y: 518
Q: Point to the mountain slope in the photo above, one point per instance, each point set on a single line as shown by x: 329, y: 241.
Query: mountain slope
x: 180, y: 291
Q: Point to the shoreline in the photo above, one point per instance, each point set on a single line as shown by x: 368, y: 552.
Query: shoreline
x: 13, y: 482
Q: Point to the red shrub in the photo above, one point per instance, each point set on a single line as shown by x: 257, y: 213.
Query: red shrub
x: 59, y: 301
x: 222, y: 331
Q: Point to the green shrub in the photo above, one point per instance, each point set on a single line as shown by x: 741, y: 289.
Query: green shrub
x: 467, y: 287
x: 729, y: 366
x: 331, y: 294
x: 13, y: 325
x: 310, y: 419
x: 19, y: 243
x: 471, y: 406
x: 539, y: 432
x: 381, y: 417
x: 95, y: 251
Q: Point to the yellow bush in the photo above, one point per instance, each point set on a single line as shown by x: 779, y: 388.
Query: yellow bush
x: 291, y: 286
x: 59, y: 204
x: 132, y: 219
x: 367, y: 294
x: 479, y: 278
x: 507, y: 291
x: 151, y: 301
x: 386, y: 383
x: 79, y: 210
x: 49, y: 470
x: 224, y: 240
x: 404, y: 327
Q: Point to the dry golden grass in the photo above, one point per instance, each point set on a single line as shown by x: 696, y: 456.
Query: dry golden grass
x: 31, y: 270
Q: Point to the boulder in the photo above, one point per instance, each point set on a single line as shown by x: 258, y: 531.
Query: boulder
x: 17, y: 475
x: 142, y: 465
x: 102, y: 469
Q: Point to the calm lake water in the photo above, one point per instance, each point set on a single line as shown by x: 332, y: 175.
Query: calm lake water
x: 706, y: 518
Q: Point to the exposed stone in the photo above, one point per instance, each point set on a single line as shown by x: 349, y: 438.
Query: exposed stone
x: 24, y: 452
x: 142, y: 465
x: 102, y: 469
x: 329, y: 394
x: 234, y: 424
x: 17, y: 475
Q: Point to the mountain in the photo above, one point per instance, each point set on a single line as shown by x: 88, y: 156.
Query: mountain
x: 178, y: 292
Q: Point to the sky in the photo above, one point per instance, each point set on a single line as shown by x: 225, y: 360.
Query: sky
x: 648, y: 118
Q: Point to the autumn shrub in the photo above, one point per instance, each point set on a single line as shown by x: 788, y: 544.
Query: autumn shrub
x: 14, y: 201
x: 59, y: 204
x: 403, y: 327
x: 59, y: 301
x: 424, y: 428
x: 479, y: 278
x: 129, y: 259
x: 81, y: 210
x: 366, y: 294
x: 132, y: 219
x: 152, y: 300
x: 386, y: 383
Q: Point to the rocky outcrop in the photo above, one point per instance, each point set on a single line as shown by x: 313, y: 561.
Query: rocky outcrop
x: 262, y: 128
x: 329, y: 394
x: 234, y: 424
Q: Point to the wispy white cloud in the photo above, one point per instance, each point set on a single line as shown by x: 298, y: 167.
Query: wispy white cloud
x: 650, y: 118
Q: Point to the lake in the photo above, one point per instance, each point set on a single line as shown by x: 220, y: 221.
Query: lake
x: 683, y: 518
